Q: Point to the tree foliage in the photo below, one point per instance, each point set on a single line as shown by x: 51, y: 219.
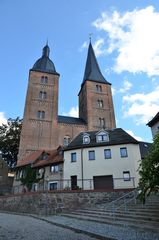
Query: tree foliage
x: 149, y: 171
x: 30, y: 176
x: 9, y: 140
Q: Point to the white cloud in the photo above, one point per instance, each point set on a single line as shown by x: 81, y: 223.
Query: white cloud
x: 135, y: 36
x: 84, y: 45
x: 126, y: 86
x: 133, y: 135
x: 141, y: 106
x: 97, y: 46
x: 2, y: 118
x: 72, y: 113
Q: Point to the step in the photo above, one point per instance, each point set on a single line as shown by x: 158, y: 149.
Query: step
x: 148, y: 217
x: 142, y: 226
x: 129, y: 218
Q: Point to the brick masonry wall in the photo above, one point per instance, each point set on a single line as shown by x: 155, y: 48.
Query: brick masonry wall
x: 47, y: 202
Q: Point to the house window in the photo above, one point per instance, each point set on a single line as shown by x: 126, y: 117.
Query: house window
x: 42, y: 95
x: 66, y: 140
x: 54, y: 169
x: 98, y: 88
x: 126, y: 176
x: 102, y: 122
x: 41, y: 114
x: 100, y: 103
x: 52, y: 185
x: 86, y: 139
x: 123, y: 152
x: 91, y: 155
x: 107, y: 153
x: 44, y: 79
x: 73, y: 157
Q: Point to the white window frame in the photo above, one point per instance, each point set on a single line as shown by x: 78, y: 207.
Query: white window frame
x: 126, y: 152
x: 54, y: 169
x: 108, y: 150
x: 89, y: 155
x: 72, y: 158
x: 126, y: 176
x: 86, y: 139
x: 52, y: 182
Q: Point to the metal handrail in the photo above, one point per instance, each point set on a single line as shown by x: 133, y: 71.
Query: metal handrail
x: 112, y: 205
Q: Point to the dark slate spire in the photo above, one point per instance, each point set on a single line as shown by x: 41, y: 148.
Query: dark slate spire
x: 44, y: 64
x: 46, y: 51
x: 92, y: 70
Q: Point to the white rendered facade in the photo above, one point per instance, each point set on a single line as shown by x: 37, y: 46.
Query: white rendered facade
x: 116, y: 166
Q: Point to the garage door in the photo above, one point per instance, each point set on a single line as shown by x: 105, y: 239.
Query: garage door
x: 103, y: 182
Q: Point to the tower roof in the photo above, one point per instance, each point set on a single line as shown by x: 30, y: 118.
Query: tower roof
x: 92, y: 70
x: 44, y: 64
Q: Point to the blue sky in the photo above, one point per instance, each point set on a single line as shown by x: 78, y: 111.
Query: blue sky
x: 125, y: 36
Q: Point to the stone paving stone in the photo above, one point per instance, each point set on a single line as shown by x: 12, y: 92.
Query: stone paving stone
x: 105, y: 230
x: 18, y: 227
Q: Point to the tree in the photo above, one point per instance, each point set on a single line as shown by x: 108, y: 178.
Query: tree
x: 30, y: 176
x: 149, y: 171
x: 9, y: 140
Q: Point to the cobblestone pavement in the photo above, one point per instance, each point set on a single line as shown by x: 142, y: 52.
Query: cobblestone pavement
x: 18, y: 227
x: 105, y: 230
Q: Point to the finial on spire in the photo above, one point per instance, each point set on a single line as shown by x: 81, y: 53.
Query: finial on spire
x: 90, y: 37
x: 47, y: 42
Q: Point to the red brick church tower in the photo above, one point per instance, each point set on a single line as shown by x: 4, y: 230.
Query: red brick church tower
x: 42, y: 127
x: 95, y: 97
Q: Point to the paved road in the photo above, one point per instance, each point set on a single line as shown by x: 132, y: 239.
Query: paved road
x: 17, y: 227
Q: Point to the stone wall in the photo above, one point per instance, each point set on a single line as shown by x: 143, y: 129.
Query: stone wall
x: 48, y: 202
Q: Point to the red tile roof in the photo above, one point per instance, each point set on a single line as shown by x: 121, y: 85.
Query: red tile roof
x: 35, y: 159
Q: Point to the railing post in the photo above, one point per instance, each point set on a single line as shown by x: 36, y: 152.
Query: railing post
x: 125, y: 206
x: 135, y: 197
x: 90, y: 181
x: 113, y: 210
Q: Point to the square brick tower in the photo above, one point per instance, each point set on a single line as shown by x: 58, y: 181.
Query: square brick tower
x: 95, y: 97
x: 41, y: 107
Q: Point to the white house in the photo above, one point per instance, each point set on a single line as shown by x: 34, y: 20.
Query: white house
x: 105, y: 159
x: 154, y: 124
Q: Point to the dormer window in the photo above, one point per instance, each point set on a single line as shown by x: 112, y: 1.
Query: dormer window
x: 66, y: 140
x: 86, y: 138
x: 44, y: 156
x: 102, y: 136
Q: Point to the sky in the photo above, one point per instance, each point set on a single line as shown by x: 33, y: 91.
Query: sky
x: 125, y: 37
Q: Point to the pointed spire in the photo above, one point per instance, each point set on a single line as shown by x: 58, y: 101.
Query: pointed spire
x: 46, y: 50
x: 92, y: 70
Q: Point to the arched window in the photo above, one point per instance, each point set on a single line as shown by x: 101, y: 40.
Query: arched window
x: 44, y: 79
x: 41, y: 114
x: 86, y: 138
x: 42, y: 95
x: 100, y: 103
x: 102, y: 122
x: 98, y: 88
